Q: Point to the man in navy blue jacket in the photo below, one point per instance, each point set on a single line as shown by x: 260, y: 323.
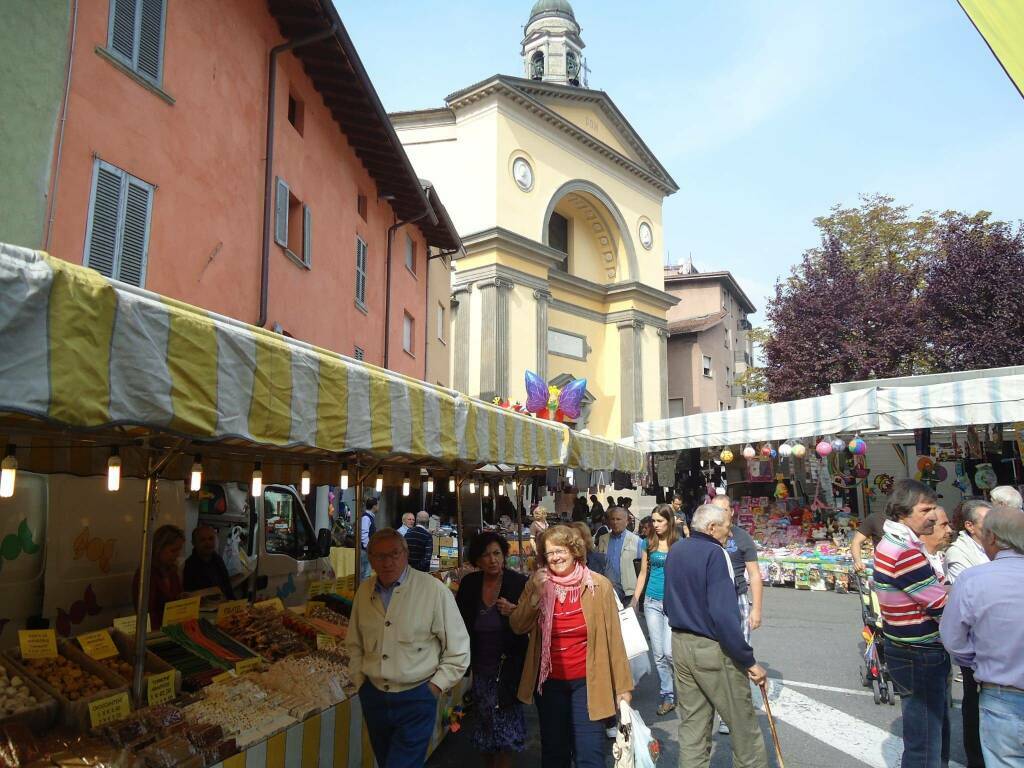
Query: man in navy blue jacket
x: 712, y: 661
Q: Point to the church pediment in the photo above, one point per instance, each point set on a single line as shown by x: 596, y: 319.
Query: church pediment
x: 589, y: 116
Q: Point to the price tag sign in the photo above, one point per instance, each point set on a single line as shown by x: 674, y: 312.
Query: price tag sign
x: 98, y: 644
x: 230, y: 608
x: 247, y: 665
x: 316, y: 588
x: 326, y: 642
x: 177, y: 611
x: 38, y: 643
x: 127, y: 625
x: 109, y: 710
x: 160, y: 688
x: 224, y: 676
x: 274, y: 602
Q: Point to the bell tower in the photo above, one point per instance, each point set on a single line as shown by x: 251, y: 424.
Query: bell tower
x: 552, y: 48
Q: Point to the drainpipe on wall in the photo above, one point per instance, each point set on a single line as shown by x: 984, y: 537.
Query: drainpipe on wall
x: 51, y: 200
x: 268, y: 182
x: 387, y: 289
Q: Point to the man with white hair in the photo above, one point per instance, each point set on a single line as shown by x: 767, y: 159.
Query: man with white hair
x: 982, y: 629
x: 712, y: 660
x: 1006, y: 496
x: 408, y: 521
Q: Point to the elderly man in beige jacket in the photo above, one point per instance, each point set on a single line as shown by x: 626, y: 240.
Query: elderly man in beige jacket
x: 407, y: 643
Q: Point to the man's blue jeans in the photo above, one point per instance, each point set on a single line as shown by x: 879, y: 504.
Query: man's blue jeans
x: 568, y: 737
x: 921, y: 677
x: 1002, y: 726
x: 400, y: 724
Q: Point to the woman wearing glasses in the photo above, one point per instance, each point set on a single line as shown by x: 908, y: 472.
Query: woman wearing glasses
x: 486, y: 598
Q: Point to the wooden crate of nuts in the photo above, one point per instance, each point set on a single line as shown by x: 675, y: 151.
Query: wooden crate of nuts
x: 23, y: 701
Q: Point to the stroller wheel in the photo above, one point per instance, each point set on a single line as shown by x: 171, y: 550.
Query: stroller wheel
x: 876, y: 690
x: 865, y: 676
x: 891, y: 695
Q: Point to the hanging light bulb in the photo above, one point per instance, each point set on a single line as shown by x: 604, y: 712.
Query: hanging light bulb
x: 472, y: 486
x: 570, y: 477
x: 306, y: 478
x: 8, y: 469
x: 379, y: 485
x: 515, y: 485
x: 487, y: 489
x: 114, y: 471
x: 451, y: 484
x: 256, y: 489
x: 343, y: 481
x: 197, y: 473
x: 501, y: 487
x: 405, y: 485
x: 430, y: 484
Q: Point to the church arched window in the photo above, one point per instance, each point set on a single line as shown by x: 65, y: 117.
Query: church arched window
x: 537, y: 66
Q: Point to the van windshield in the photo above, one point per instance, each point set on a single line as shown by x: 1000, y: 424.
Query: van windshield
x: 288, y: 532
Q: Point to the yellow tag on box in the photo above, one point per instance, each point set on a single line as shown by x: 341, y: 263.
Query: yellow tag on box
x: 274, y: 602
x: 37, y: 643
x: 127, y: 625
x: 326, y: 642
x: 247, y: 665
x: 230, y: 608
x: 109, y: 710
x: 98, y: 644
x: 177, y: 611
x: 316, y: 588
x: 160, y: 688
x: 224, y: 676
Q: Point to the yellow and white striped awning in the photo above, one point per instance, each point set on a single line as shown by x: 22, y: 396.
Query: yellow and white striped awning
x: 87, y: 353
x: 588, y: 452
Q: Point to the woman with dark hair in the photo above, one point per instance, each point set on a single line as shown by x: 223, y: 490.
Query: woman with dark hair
x: 486, y: 598
x: 660, y: 539
x: 645, y: 527
x: 164, y: 576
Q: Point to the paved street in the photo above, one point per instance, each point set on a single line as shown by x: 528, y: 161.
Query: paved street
x: 810, y: 645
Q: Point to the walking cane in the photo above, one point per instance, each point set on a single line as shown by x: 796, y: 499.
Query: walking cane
x: 771, y: 724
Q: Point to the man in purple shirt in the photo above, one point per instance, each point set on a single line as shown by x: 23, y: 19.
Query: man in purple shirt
x: 982, y: 629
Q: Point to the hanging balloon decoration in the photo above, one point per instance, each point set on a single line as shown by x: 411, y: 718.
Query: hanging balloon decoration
x: 824, y: 448
x: 766, y: 450
x: 725, y: 456
x: 551, y: 402
x: 838, y: 445
x: 799, y: 450
x: 857, y: 446
x: 786, y: 450
x: 749, y: 452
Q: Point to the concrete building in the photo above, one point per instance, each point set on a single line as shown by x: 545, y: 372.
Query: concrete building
x: 559, y: 205
x: 138, y: 142
x: 708, y: 345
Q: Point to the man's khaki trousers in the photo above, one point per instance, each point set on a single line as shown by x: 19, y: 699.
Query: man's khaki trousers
x: 708, y: 681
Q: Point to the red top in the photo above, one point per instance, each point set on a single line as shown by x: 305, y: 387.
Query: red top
x: 164, y: 586
x: 568, y: 641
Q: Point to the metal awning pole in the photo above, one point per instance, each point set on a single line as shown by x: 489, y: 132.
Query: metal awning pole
x: 458, y: 516
x: 519, y: 522
x: 357, y: 513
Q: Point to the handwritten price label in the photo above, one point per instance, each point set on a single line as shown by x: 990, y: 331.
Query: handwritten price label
x: 109, y: 710
x: 127, y: 625
x: 247, y: 665
x: 98, y: 644
x: 160, y: 688
x: 177, y: 611
x: 37, y: 643
x: 230, y: 608
x: 326, y: 642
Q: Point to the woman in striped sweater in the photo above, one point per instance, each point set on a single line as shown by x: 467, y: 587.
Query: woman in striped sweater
x: 911, y: 601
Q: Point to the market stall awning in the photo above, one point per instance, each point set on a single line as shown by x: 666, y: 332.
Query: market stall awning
x: 587, y: 452
x: 828, y: 414
x: 993, y: 400
x: 89, y: 354
x: 1001, y: 25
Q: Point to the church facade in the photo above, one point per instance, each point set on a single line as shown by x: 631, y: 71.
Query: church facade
x: 559, y: 205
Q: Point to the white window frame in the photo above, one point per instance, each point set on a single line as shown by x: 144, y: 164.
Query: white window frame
x: 707, y: 369
x: 410, y: 254
x: 409, y: 334
x: 126, y: 178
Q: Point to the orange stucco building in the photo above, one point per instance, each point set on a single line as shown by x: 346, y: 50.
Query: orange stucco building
x: 159, y: 174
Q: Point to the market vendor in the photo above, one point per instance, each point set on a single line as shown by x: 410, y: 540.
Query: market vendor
x: 205, y: 568
x: 164, y: 579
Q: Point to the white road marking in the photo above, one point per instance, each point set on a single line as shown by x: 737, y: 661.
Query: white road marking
x: 868, y: 743
x: 817, y: 687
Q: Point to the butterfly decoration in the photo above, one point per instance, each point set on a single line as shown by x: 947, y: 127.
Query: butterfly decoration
x: 551, y: 402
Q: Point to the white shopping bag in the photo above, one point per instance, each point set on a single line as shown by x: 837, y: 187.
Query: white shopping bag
x: 637, y: 649
x: 635, y: 745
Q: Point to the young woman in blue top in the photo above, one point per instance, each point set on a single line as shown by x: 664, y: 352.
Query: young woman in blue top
x: 652, y: 576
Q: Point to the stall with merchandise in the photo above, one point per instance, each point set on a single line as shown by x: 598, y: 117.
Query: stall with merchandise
x: 101, y: 380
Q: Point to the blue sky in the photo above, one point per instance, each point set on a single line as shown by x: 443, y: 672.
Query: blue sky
x: 765, y: 113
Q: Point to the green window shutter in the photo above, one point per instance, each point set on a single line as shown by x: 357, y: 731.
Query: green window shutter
x: 151, y: 44
x: 122, y: 28
x: 104, y: 213
x: 307, y: 236
x: 135, y: 234
x: 281, y: 213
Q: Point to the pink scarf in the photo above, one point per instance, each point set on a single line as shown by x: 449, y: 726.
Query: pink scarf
x: 568, y: 587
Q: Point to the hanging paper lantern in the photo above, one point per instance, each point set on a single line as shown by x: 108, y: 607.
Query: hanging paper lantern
x: 824, y: 448
x: 838, y: 445
x: 749, y: 452
x: 785, y: 450
x: 799, y: 450
x: 766, y: 450
x: 725, y: 456
x: 858, y: 446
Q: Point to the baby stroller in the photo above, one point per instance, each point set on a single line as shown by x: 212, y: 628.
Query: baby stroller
x: 874, y: 674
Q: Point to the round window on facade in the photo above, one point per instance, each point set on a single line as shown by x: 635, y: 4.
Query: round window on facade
x: 646, y: 235
x: 522, y: 172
